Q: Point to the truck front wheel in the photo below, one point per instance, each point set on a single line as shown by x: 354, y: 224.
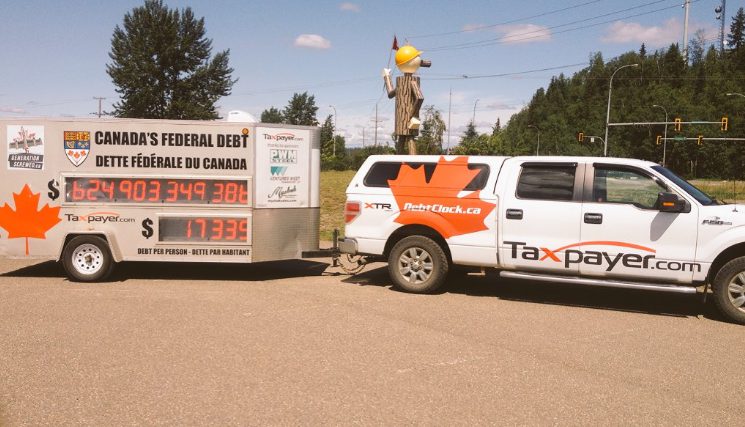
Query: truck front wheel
x: 87, y: 259
x: 729, y: 290
x: 418, y: 264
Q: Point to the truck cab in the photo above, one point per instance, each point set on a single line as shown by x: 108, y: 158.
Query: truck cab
x: 595, y: 221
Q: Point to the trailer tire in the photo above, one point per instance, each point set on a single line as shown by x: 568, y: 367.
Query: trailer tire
x: 417, y: 264
x: 729, y: 290
x: 87, y: 259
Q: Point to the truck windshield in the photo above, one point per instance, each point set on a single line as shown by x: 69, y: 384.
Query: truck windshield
x: 689, y: 188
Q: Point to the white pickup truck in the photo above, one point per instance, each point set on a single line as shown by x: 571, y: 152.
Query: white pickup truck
x: 594, y: 221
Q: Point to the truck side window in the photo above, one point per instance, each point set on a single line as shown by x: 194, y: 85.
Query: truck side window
x: 619, y: 185
x: 546, y: 182
x: 381, y: 172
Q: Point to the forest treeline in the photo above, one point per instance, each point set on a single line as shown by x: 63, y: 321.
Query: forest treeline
x: 706, y: 86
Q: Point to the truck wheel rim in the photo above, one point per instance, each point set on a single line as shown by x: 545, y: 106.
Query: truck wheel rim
x: 736, y: 291
x: 415, y: 265
x: 87, y: 259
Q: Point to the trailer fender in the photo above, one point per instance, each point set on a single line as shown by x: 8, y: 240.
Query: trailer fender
x: 110, y: 238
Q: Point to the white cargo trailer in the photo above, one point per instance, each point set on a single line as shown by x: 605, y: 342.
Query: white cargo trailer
x: 93, y: 192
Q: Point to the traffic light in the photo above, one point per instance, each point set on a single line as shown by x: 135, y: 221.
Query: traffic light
x: 725, y: 122
x: 677, y: 124
x: 700, y: 140
x: 580, y: 136
x: 659, y: 139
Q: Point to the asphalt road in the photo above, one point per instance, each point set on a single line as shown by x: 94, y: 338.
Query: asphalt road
x: 293, y: 343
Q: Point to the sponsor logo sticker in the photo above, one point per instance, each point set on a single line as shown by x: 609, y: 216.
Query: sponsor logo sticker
x: 282, y: 137
x: 25, y: 147
x: 572, y: 256
x: 98, y: 217
x: 283, y: 194
x: 282, y: 156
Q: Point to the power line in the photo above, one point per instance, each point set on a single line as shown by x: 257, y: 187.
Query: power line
x: 306, y: 87
x: 542, y: 32
x: 512, y: 21
x: 515, y: 73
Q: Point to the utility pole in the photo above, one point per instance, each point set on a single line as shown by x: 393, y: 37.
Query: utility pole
x: 100, y: 111
x: 333, y: 136
x: 450, y: 105
x: 363, y: 137
x: 687, y: 6
x: 376, y: 122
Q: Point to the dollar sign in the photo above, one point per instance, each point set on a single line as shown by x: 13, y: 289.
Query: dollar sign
x: 147, y: 229
x: 53, y: 186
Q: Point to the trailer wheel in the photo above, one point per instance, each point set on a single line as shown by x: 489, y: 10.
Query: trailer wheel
x: 729, y: 290
x: 418, y: 264
x: 87, y: 259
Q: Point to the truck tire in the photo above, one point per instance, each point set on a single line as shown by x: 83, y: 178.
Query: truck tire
x: 418, y: 264
x: 729, y: 290
x: 87, y: 259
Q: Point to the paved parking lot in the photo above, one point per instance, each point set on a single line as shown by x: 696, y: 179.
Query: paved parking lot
x: 293, y: 343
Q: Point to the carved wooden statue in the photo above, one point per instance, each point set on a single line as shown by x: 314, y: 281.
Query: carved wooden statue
x: 408, y: 96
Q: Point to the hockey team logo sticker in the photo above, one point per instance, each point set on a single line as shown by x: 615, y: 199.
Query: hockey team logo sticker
x: 77, y: 146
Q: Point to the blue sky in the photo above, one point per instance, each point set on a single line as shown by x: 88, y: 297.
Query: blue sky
x: 55, y: 52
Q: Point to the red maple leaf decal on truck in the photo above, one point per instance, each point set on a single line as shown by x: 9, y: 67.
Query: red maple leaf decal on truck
x: 25, y: 220
x: 436, y: 203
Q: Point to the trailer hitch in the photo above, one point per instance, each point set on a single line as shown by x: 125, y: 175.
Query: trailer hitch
x: 351, y: 264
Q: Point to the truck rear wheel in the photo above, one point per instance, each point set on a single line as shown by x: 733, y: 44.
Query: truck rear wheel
x: 418, y: 264
x: 729, y: 290
x: 87, y: 259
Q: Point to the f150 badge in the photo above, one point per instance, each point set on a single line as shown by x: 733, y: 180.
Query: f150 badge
x: 715, y: 221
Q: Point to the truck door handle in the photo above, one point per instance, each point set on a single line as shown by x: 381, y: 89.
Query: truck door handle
x: 514, y: 214
x: 593, y: 218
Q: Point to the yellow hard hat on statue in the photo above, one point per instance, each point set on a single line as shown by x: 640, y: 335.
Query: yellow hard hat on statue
x: 406, y: 53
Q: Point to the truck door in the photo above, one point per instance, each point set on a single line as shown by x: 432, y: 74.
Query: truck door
x: 625, y: 235
x: 540, y: 215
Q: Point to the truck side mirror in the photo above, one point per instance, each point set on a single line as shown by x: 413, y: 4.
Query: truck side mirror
x: 670, y: 202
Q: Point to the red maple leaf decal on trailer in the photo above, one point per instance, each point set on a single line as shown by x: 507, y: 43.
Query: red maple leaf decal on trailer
x: 25, y: 220
x: 436, y: 203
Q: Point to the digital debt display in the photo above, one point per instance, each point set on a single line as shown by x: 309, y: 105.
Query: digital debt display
x: 156, y: 190
x: 86, y: 190
x: 203, y: 229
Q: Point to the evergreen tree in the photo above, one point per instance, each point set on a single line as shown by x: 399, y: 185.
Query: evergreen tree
x: 471, y: 143
x: 162, y: 66
x: 496, y: 128
x: 272, y: 115
x: 301, y: 110
x: 736, y: 36
x: 327, y: 139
